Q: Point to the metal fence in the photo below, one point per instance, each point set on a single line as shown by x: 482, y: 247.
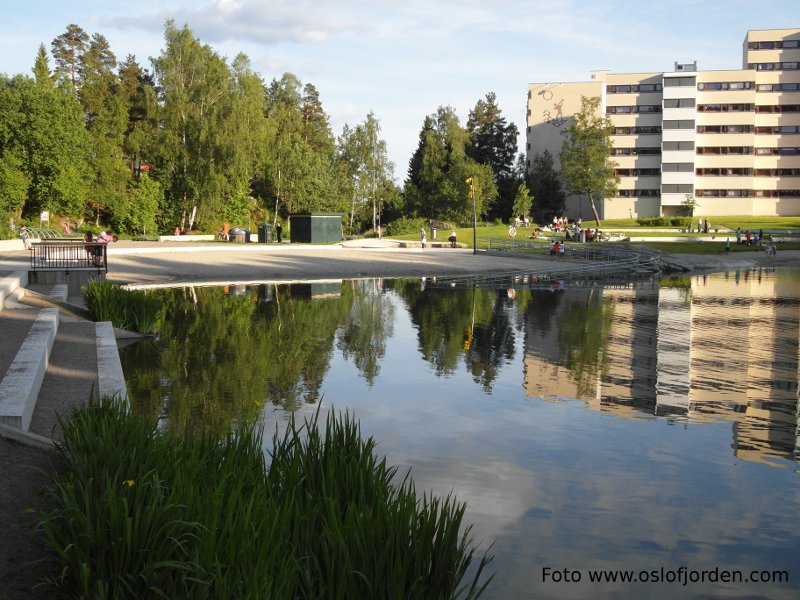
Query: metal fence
x: 580, y: 265
x: 68, y: 255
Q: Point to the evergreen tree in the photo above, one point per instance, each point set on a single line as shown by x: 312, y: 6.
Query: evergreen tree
x: 548, y: 192
x: 585, y: 156
x: 68, y: 50
x: 41, y: 68
x: 523, y: 201
x: 493, y: 142
x: 436, y: 187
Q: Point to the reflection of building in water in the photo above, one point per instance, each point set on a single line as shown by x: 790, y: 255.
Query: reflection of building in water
x: 714, y: 349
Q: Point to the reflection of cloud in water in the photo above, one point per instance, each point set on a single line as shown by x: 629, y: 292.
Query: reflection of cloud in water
x: 497, y: 494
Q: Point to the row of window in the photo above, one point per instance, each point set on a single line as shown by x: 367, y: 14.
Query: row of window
x: 687, y: 189
x: 643, y: 130
x: 637, y: 172
x: 638, y: 193
x: 689, y: 124
x: 635, y: 151
x: 710, y: 86
x: 778, y: 108
x: 773, y: 66
x: 724, y: 172
x: 677, y: 167
x: 773, y: 45
x: 723, y: 150
x: 746, y: 193
x: 633, y: 89
x: 724, y: 129
x: 714, y: 108
x: 746, y: 150
x: 634, y: 109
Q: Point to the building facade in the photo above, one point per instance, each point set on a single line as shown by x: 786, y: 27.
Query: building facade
x: 729, y: 138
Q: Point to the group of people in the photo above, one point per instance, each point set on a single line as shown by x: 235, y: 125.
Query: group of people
x: 95, y: 251
x: 749, y: 238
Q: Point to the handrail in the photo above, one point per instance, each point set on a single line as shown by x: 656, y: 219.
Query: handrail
x: 579, y: 262
x: 69, y: 255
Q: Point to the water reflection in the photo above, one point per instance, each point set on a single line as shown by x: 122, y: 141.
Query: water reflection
x: 629, y: 427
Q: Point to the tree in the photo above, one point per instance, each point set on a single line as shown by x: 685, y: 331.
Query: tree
x: 585, y: 164
x: 545, y: 184
x: 41, y: 68
x: 522, y: 201
x: 436, y: 187
x: 493, y: 142
x: 68, y: 50
x: 690, y: 204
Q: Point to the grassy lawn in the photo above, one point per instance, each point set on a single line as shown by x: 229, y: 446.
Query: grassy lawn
x: 711, y: 247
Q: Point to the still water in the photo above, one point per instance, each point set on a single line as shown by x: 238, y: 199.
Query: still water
x: 649, y: 428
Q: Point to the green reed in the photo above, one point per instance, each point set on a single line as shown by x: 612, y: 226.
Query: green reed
x: 135, y: 310
x: 146, y: 511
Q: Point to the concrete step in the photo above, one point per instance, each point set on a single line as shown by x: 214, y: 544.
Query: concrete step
x: 23, y: 375
x: 48, y: 364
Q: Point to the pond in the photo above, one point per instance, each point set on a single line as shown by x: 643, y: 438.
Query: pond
x: 648, y: 429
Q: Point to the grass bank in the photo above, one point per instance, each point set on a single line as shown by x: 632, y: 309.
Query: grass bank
x: 148, y: 512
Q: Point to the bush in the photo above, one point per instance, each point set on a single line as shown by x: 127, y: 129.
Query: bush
x: 664, y: 221
x: 143, y: 511
x: 135, y: 310
x: 406, y: 226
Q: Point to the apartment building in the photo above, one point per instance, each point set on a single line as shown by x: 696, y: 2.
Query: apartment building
x: 731, y: 138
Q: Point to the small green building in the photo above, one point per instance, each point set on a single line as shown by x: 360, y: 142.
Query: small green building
x: 315, y: 228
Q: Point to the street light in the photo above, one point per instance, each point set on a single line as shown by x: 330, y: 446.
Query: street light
x: 471, y: 194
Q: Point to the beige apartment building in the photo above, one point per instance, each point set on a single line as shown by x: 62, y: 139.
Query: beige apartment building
x: 730, y: 138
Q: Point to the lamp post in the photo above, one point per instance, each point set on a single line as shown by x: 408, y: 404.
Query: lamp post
x: 471, y: 194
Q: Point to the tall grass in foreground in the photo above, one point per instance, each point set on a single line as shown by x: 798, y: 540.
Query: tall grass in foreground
x: 135, y: 310
x: 145, y: 513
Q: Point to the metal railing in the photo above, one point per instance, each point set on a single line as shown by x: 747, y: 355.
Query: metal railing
x: 579, y: 265
x: 68, y: 255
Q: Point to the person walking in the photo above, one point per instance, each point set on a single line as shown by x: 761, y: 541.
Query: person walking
x: 279, y: 231
x: 422, y: 237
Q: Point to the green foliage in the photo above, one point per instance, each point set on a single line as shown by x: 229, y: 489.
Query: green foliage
x: 664, y: 221
x: 137, y: 215
x: 545, y: 185
x: 142, y: 511
x: 493, y: 142
x: 690, y: 203
x: 436, y: 187
x: 135, y: 310
x: 522, y: 201
x: 585, y: 164
x: 405, y: 226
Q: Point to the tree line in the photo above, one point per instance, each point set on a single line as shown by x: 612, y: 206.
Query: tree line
x: 196, y: 141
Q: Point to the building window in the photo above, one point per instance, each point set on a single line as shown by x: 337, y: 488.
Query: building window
x: 677, y: 188
x: 723, y: 172
x: 684, y: 145
x: 638, y: 193
x: 724, y: 129
x: 725, y: 108
x: 677, y: 167
x: 633, y: 89
x: 637, y: 172
x: 717, y: 150
x: 716, y: 86
x: 679, y: 103
x: 777, y: 130
x: 634, y: 151
x: 777, y: 193
x: 679, y: 81
x: 777, y: 87
x: 724, y: 193
x: 679, y: 124
x: 640, y: 108
x: 778, y: 108
x: 636, y: 130
x: 777, y: 66
x: 773, y: 45
x: 777, y: 173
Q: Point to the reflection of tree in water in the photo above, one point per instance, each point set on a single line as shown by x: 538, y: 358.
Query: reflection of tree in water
x: 493, y: 342
x: 583, y: 337
x: 449, y: 323
x: 367, y: 327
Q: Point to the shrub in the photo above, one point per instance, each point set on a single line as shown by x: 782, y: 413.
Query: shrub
x: 147, y: 511
x: 405, y: 226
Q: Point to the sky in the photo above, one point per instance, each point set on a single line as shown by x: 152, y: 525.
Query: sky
x: 402, y: 59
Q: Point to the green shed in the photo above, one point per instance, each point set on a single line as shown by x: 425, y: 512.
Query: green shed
x: 315, y: 228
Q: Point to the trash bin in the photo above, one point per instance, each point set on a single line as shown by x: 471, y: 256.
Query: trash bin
x: 264, y: 233
x: 239, y: 235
